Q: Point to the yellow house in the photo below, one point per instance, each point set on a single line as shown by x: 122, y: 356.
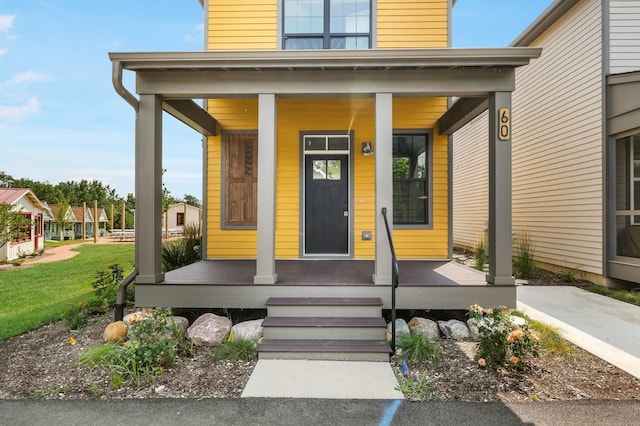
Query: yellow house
x: 324, y: 122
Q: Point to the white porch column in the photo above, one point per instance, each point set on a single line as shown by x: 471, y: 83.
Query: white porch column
x: 500, y: 266
x: 266, y: 256
x: 384, y: 185
x: 148, y: 181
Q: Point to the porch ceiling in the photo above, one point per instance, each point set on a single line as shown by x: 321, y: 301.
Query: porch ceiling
x: 328, y: 73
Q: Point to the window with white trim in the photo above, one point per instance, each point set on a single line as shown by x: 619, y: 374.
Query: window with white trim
x: 326, y: 24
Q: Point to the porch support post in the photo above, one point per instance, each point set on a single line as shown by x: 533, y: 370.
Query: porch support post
x: 148, y: 184
x: 266, y: 256
x: 500, y: 267
x: 384, y: 185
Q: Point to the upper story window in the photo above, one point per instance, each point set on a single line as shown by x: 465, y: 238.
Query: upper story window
x: 327, y: 24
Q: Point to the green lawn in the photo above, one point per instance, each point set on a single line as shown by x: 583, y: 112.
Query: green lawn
x: 36, y: 295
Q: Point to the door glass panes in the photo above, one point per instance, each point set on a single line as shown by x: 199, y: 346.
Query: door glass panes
x: 315, y: 143
x: 333, y: 169
x: 303, y: 43
x: 340, y: 143
x: 319, y: 169
x: 627, y: 190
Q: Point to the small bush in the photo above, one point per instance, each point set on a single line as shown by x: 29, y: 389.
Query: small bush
x: 524, y: 262
x: 151, y: 347
x: 551, y: 341
x: 480, y: 256
x: 184, y: 251
x: 237, y: 350
x: 499, y: 343
x: 75, y: 316
x: 105, y: 288
x: 416, y: 347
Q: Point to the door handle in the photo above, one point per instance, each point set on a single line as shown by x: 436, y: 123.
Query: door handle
x: 345, y: 213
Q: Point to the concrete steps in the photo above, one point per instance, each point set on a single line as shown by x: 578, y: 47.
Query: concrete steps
x: 324, y: 328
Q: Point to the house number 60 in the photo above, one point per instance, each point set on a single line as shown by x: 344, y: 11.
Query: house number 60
x: 505, y: 124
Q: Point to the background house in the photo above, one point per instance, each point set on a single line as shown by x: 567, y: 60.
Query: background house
x: 30, y: 239
x: 60, y: 226
x: 576, y: 144
x: 177, y: 216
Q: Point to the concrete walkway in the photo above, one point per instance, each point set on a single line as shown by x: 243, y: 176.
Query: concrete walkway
x: 606, y: 327
x: 322, y: 379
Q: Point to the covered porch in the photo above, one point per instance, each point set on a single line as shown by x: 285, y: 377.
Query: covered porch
x: 480, y: 78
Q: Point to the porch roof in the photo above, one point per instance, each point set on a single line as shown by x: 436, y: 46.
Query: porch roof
x: 386, y: 59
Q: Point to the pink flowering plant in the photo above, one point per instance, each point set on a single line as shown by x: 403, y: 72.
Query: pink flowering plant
x: 501, y: 343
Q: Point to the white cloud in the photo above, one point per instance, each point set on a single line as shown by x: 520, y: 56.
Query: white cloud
x: 2, y: 52
x: 6, y: 23
x: 17, y: 113
x: 24, y: 77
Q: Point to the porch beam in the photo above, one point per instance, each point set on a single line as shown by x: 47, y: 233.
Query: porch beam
x: 384, y: 185
x: 191, y: 114
x: 148, y: 186
x: 500, y: 243
x: 460, y: 113
x: 427, y: 83
x: 266, y: 258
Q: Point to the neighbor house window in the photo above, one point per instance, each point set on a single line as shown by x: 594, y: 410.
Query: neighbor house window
x: 327, y: 24
x: 180, y: 219
x: 411, y: 179
x: 241, y: 179
x: 628, y: 196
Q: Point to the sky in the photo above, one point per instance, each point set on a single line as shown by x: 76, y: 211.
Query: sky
x: 61, y: 119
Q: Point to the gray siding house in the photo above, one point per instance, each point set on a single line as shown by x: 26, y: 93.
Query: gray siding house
x: 575, y: 142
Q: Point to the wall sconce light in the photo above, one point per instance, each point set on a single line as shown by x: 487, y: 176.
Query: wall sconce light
x: 367, y: 148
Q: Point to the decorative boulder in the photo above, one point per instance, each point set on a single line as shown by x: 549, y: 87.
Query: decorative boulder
x: 424, y: 327
x: 517, y: 322
x: 180, y: 323
x: 209, y: 330
x: 454, y: 329
x: 401, y: 328
x: 247, y: 330
x: 115, y: 332
x: 473, y: 325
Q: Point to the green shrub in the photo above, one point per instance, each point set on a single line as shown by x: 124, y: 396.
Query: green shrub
x: 499, y: 343
x: 75, y: 316
x: 151, y: 347
x: 416, y: 347
x: 524, y: 262
x: 237, y: 350
x: 105, y: 288
x: 184, y: 251
x: 480, y: 256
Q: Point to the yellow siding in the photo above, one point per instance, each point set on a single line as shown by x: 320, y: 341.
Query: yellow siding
x: 426, y: 243
x: 355, y: 115
x: 412, y: 24
x: 242, y: 25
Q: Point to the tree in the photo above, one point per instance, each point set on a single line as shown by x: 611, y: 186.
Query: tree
x: 60, y: 216
x: 191, y: 200
x: 11, y: 223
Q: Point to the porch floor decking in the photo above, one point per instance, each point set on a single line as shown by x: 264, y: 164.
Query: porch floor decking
x: 325, y: 272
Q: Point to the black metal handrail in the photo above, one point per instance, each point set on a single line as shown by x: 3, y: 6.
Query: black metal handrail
x: 395, y: 277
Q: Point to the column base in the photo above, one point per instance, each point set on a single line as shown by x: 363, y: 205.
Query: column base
x: 381, y: 279
x: 150, y: 279
x: 501, y: 280
x: 265, y: 279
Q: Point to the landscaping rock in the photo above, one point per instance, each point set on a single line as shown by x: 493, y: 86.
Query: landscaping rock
x: 115, y: 332
x: 247, y: 330
x: 454, y: 329
x: 473, y: 325
x: 401, y: 328
x: 181, y: 323
x: 517, y: 321
x: 425, y: 327
x: 209, y: 330
x: 134, y: 316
